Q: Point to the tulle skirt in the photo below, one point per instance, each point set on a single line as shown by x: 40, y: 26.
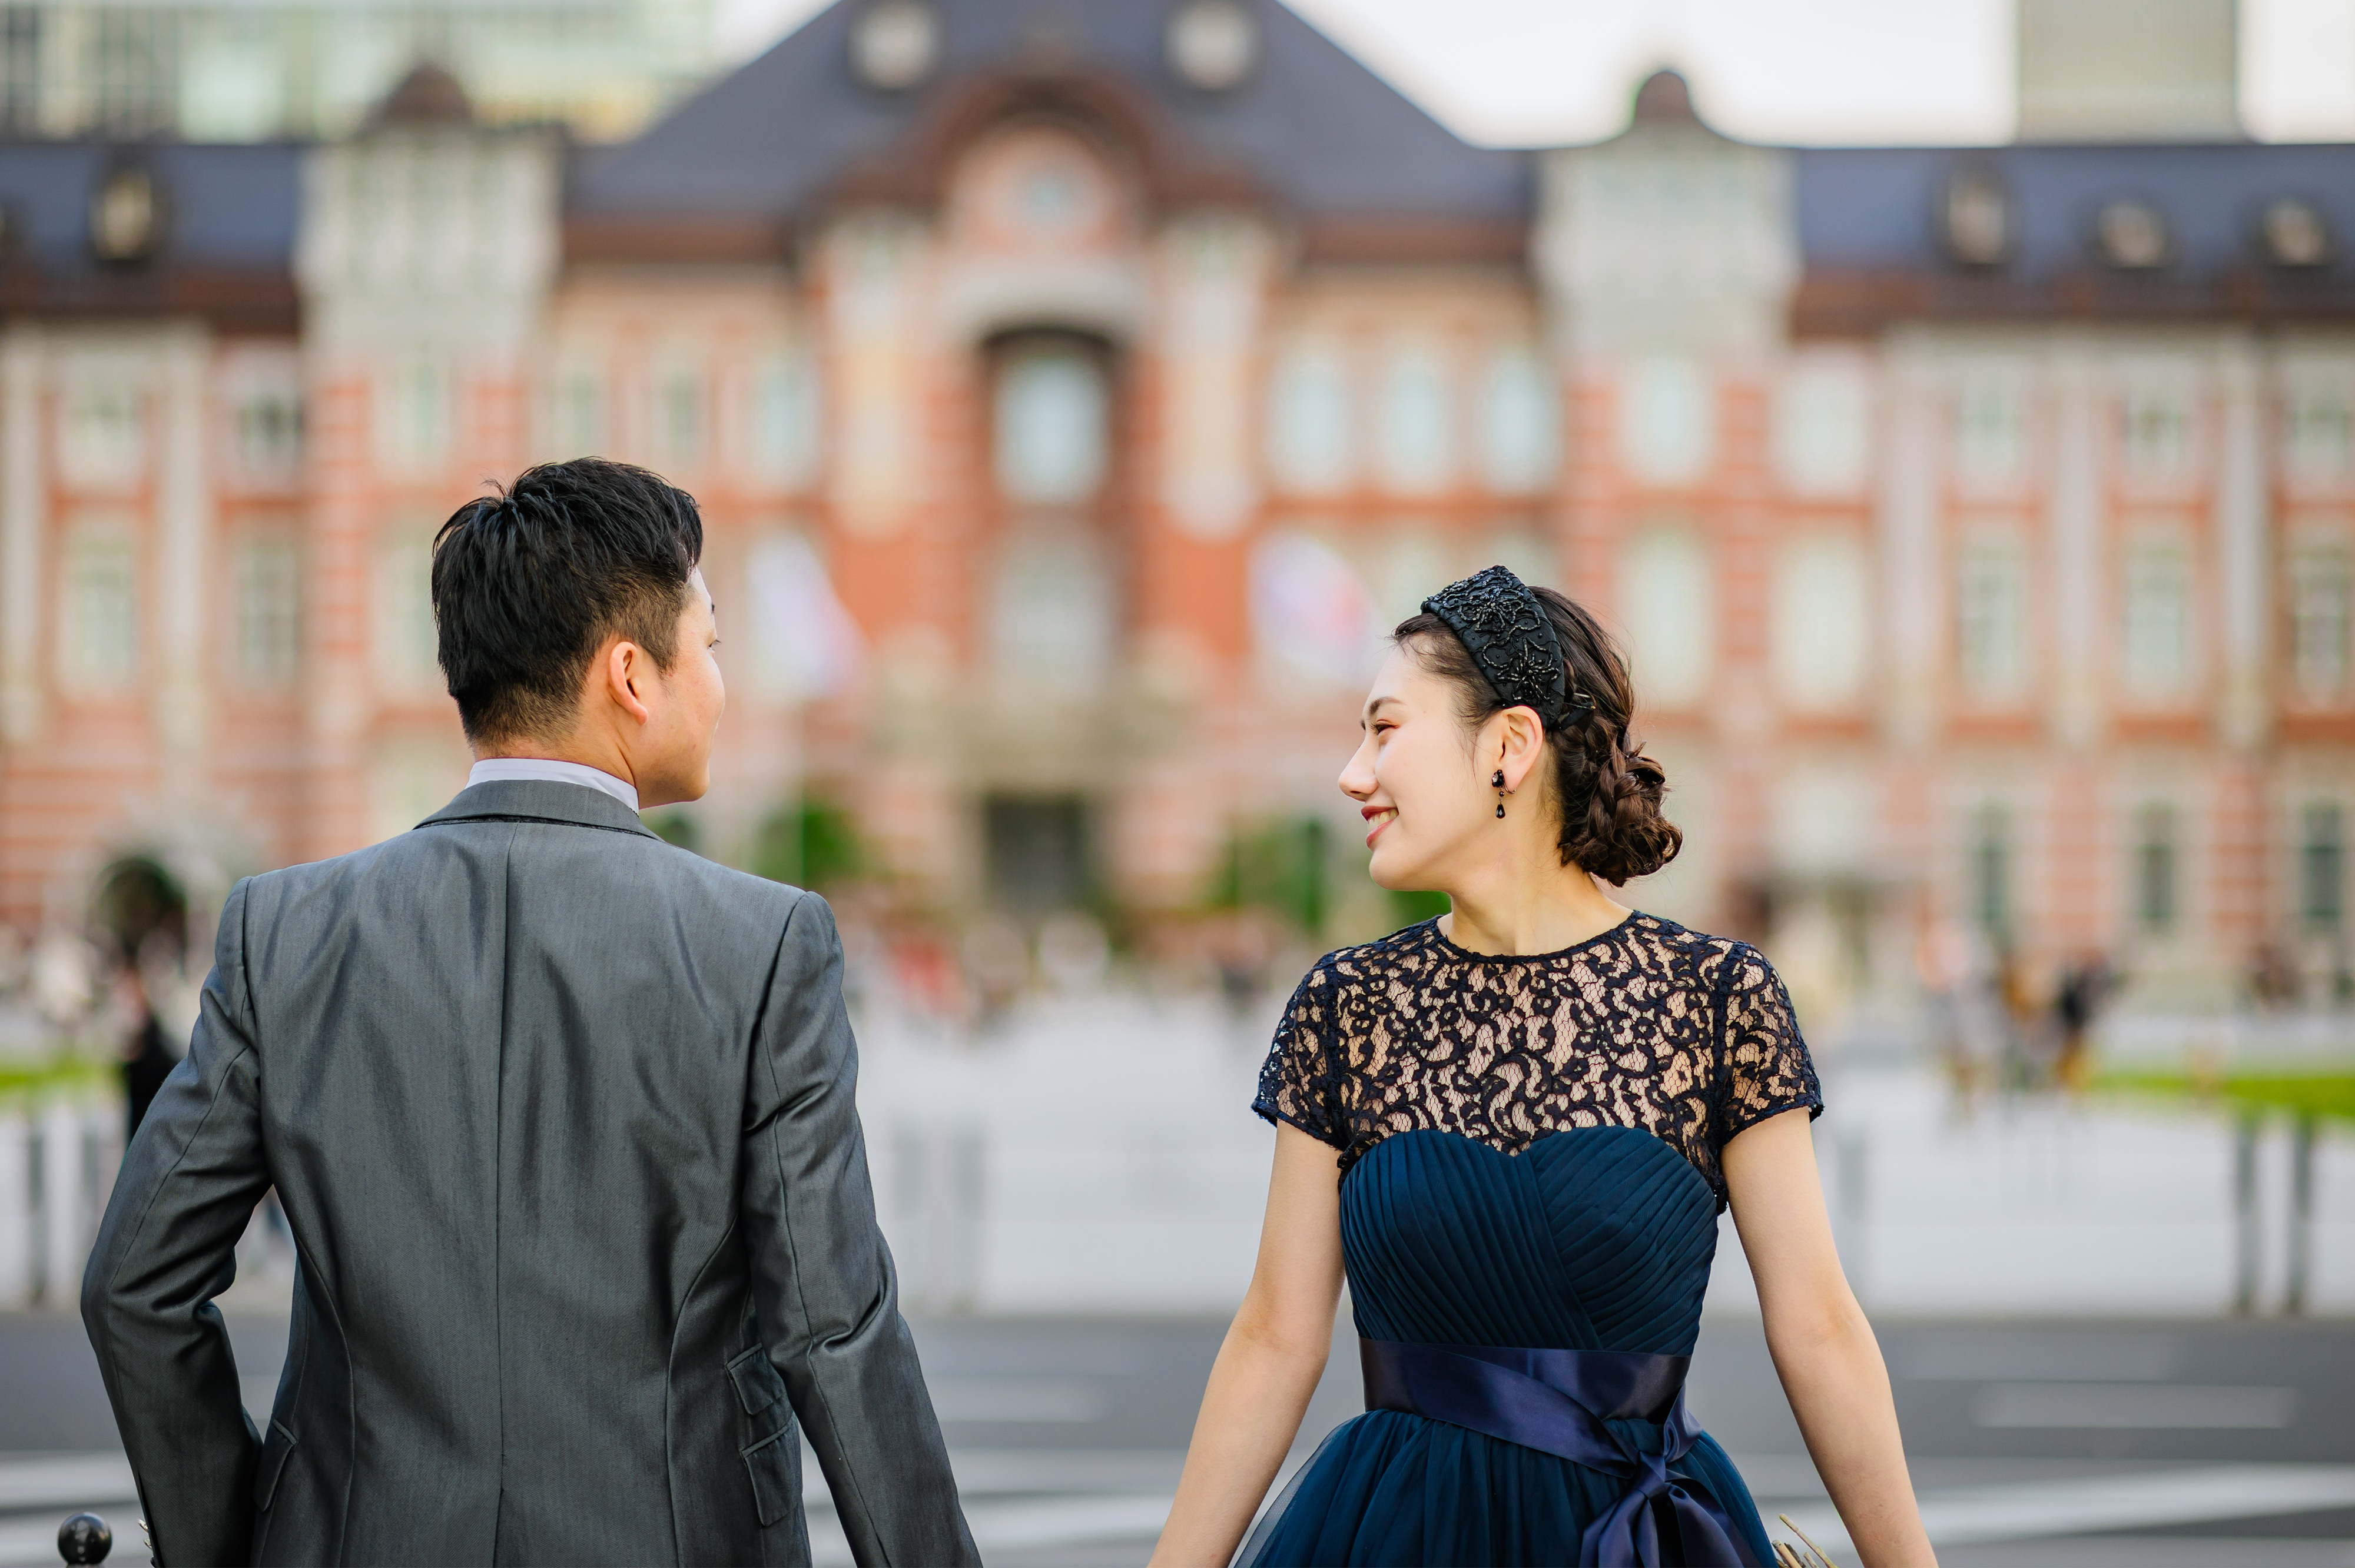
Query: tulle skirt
x: 1393, y: 1490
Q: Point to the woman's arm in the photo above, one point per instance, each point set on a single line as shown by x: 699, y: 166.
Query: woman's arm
x: 1273, y: 1355
x: 1823, y: 1348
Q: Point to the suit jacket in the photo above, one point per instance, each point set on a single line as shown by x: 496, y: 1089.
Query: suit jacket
x: 563, y: 1118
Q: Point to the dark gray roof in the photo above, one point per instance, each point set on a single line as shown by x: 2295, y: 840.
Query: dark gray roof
x: 1876, y: 208
x: 229, y: 207
x: 1312, y: 125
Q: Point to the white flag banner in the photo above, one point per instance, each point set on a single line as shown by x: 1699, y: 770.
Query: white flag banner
x: 809, y: 645
x: 1311, y: 614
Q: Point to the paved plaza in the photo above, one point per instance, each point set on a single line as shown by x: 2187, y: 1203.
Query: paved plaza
x: 2076, y: 1444
x: 1073, y: 1197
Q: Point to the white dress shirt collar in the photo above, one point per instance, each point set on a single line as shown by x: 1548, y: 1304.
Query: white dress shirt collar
x: 495, y: 769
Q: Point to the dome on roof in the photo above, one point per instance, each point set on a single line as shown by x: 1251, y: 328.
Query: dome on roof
x: 1664, y: 100
x: 428, y: 95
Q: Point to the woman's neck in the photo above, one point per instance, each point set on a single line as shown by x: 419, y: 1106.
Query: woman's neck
x: 1541, y: 913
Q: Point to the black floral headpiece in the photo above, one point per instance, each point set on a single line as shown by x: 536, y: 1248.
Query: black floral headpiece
x: 1511, y: 639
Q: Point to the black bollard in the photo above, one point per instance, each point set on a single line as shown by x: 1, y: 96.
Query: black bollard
x: 84, y: 1538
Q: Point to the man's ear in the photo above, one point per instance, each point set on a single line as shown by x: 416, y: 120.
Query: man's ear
x: 624, y: 666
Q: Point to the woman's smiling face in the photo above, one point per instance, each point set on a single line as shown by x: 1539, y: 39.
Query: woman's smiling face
x: 1417, y: 778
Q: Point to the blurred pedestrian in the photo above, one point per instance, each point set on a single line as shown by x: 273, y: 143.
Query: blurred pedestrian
x: 1542, y: 1101
x: 565, y: 1122
x: 2085, y: 985
x: 147, y: 1060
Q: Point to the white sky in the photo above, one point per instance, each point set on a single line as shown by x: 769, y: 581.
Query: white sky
x: 1540, y: 72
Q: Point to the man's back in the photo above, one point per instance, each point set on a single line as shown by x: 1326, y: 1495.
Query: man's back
x: 562, y: 1119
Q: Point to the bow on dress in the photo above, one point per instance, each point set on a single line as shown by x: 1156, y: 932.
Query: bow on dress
x: 1563, y: 1403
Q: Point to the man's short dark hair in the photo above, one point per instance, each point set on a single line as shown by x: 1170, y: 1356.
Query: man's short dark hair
x: 528, y: 584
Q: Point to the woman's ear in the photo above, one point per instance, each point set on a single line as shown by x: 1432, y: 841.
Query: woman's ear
x: 1521, y: 746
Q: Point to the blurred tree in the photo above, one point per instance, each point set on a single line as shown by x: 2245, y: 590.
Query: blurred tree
x: 809, y: 843
x: 1411, y: 906
x: 1284, y: 867
x: 677, y: 827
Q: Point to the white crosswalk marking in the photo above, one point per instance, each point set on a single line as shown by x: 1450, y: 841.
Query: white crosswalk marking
x: 2031, y: 1511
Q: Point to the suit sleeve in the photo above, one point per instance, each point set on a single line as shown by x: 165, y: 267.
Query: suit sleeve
x: 829, y: 1305
x: 187, y: 1187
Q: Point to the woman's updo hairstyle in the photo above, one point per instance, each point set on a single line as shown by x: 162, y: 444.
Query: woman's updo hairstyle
x: 1609, y: 792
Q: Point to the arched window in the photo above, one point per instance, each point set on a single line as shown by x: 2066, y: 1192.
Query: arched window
x: 1053, y: 418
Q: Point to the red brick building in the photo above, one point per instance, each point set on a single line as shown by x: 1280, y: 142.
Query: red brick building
x: 1074, y: 398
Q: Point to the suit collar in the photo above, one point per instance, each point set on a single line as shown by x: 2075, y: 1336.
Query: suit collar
x: 540, y: 800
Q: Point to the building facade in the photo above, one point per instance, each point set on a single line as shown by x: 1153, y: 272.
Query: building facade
x: 255, y: 70
x: 1074, y: 397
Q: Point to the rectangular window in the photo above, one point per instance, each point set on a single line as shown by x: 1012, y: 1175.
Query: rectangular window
x: 20, y: 69
x: 134, y: 70
x: 680, y: 417
x: 2155, y: 869
x: 413, y: 428
x: 100, y: 624
x: 2154, y: 619
x: 1667, y: 420
x: 1309, y: 435
x: 2321, y: 605
x: 1822, y: 629
x: 1520, y: 418
x: 1418, y: 445
x: 103, y: 434
x: 2318, y: 434
x: 1989, y: 871
x: 2156, y: 434
x: 1991, y: 620
x: 576, y: 414
x: 1823, y: 429
x: 2322, y: 867
x: 1667, y: 605
x: 269, y: 613
x: 785, y: 432
x: 1990, y: 434
x: 270, y: 435
x: 1054, y: 616
x: 405, y: 642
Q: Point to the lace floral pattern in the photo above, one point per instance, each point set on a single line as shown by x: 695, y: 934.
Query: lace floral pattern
x: 1649, y: 1025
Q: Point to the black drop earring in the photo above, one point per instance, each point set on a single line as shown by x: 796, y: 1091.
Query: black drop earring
x: 1499, y: 784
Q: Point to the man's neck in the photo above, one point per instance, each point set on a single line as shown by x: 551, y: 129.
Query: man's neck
x: 555, y: 769
x: 583, y: 751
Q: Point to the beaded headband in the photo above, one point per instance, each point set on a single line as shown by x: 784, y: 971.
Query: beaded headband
x: 1511, y: 639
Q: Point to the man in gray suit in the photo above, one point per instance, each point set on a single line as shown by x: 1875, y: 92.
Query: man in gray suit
x: 562, y: 1118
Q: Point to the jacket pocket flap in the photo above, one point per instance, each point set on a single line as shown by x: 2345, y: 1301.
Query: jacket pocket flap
x: 758, y: 1386
x: 275, y: 1448
x: 775, y: 1462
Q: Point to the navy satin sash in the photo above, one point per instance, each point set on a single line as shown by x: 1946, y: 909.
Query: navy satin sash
x: 1557, y: 1401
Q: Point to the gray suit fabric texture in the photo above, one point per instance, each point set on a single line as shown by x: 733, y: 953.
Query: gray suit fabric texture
x: 563, y: 1120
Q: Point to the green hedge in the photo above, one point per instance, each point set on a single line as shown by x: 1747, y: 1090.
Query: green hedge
x: 2329, y: 1095
x: 81, y: 1073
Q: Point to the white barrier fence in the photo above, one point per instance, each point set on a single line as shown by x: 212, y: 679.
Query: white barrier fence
x: 57, y: 1159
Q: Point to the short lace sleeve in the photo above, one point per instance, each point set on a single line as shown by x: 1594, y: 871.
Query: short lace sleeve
x: 1301, y: 1083
x: 1767, y: 1069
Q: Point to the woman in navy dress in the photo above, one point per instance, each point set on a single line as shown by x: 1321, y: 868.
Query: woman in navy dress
x: 1513, y: 1129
